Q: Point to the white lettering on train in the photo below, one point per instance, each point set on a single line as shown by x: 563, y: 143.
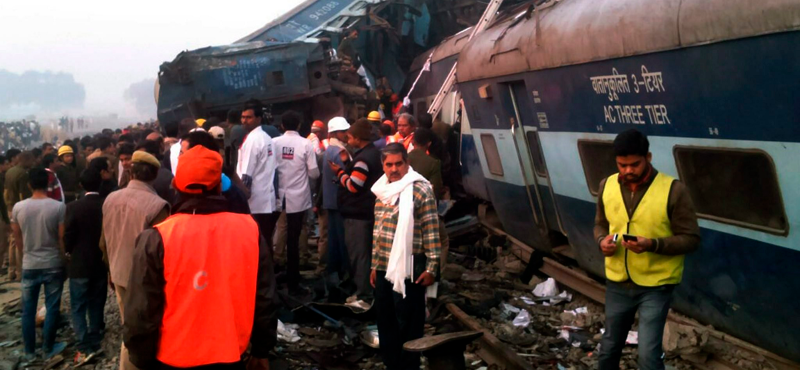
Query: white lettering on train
x: 617, y: 84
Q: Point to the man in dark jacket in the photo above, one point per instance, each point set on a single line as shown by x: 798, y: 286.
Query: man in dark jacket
x: 88, y: 276
x: 357, y: 203
x: 425, y: 164
x: 214, y: 280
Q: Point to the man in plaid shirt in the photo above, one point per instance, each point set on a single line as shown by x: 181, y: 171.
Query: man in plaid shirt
x: 405, y: 255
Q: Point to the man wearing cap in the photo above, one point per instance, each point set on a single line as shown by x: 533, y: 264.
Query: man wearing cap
x: 319, y: 144
x: 218, y: 133
x: 256, y: 168
x: 220, y: 279
x: 356, y: 202
x: 331, y: 221
x: 126, y: 213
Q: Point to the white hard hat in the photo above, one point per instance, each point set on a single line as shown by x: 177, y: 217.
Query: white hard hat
x: 338, y: 124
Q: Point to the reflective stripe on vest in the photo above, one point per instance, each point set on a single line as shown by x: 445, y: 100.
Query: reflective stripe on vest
x: 650, y: 220
x: 391, y: 139
x: 325, y: 144
x: 210, y: 290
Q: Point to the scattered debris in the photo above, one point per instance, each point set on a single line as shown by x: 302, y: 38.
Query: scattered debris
x: 523, y: 319
x: 287, y: 332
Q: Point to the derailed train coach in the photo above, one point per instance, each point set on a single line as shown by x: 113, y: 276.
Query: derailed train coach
x: 302, y: 76
x: 713, y: 85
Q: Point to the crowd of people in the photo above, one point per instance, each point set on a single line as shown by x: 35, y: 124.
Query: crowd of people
x: 18, y: 134
x: 199, y: 225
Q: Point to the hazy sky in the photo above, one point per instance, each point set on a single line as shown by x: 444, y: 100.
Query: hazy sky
x: 108, y: 45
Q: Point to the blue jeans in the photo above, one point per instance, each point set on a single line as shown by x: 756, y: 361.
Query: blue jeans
x: 338, y: 262
x: 622, y: 302
x: 32, y: 280
x: 88, y: 296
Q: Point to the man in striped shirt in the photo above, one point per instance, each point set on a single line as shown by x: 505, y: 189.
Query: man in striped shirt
x: 356, y: 202
x: 405, y: 255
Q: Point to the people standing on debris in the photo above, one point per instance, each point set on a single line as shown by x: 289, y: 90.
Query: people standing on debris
x: 297, y: 163
x: 645, y: 224
x: 51, y: 165
x: 124, y: 155
x: 405, y: 255
x: 430, y: 168
x: 88, y: 276
x: 337, y: 262
x: 256, y: 168
x: 126, y: 212
x: 5, y: 222
x: 16, y: 190
x: 347, y: 49
x: 406, y: 124
x: 215, y: 270
x: 356, y: 202
x: 68, y: 173
x: 38, y: 226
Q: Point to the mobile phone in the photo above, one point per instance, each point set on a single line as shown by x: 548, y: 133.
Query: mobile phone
x: 629, y: 238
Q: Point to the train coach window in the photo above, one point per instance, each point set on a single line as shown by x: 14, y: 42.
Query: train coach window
x: 734, y: 186
x: 492, y: 155
x: 598, y: 162
x: 536, y: 153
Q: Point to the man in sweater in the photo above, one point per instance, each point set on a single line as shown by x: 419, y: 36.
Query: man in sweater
x: 356, y: 202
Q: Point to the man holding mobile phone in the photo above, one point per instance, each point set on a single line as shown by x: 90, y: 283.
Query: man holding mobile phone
x: 645, y: 224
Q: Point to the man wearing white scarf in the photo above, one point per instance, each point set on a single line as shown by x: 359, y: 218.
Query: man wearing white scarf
x: 405, y: 255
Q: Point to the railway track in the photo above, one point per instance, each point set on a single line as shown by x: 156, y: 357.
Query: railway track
x: 493, y: 351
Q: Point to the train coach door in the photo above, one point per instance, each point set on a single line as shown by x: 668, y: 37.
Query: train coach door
x: 530, y: 124
x: 526, y: 135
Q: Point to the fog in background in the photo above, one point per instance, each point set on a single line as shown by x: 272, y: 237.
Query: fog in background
x: 99, y: 58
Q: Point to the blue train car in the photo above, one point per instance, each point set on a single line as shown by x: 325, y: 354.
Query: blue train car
x: 432, y: 68
x: 209, y: 81
x: 714, y: 86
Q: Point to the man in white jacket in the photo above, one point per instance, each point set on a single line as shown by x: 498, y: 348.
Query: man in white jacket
x: 297, y: 162
x: 256, y: 168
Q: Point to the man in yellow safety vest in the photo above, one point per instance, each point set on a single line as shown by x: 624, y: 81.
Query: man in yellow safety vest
x: 645, y: 224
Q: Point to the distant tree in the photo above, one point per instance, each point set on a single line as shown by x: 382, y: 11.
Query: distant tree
x: 51, y: 91
x: 141, y: 94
